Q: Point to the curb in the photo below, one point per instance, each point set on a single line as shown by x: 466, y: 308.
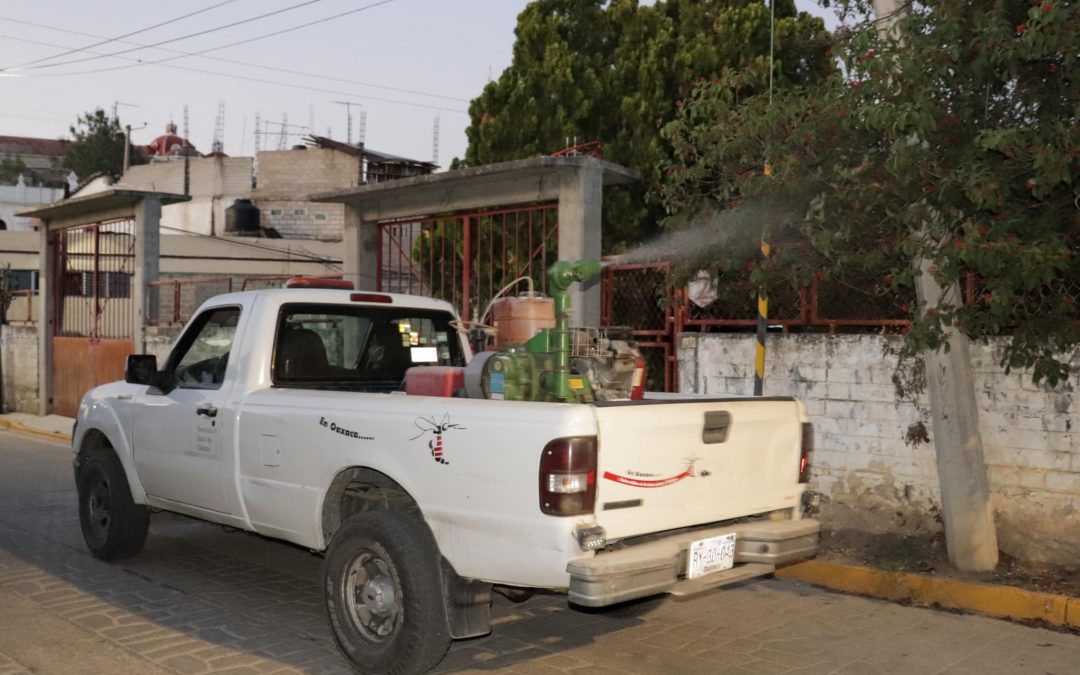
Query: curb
x: 20, y: 428
x: 1003, y: 602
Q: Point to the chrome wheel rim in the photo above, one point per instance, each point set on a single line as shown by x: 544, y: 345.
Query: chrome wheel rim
x: 373, y: 596
x: 98, y: 507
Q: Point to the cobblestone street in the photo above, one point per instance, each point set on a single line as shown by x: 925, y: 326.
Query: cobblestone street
x: 201, y: 599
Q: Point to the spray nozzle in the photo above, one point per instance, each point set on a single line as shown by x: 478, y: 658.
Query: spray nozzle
x: 563, y: 273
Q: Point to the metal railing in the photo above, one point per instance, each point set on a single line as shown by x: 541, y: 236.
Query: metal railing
x: 172, y: 301
x: 466, y: 258
x: 21, y: 310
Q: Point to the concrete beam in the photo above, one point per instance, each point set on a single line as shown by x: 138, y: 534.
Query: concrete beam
x: 47, y: 303
x: 360, y: 243
x: 147, y: 269
x: 521, y: 181
x: 581, y: 195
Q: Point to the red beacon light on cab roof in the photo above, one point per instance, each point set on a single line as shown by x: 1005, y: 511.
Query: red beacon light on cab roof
x: 317, y: 282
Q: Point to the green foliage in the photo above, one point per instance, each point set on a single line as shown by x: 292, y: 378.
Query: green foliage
x: 954, y: 138
x: 616, y: 71
x: 10, y: 170
x: 98, y: 146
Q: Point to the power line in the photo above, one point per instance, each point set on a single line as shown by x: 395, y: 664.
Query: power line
x: 202, y: 55
x: 290, y: 254
x: 260, y: 80
x: 125, y: 35
x: 183, y: 37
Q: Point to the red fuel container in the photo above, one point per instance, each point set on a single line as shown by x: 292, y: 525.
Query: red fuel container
x: 434, y: 380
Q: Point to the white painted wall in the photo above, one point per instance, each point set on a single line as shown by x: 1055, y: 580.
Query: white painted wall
x: 872, y: 480
x: 15, y: 198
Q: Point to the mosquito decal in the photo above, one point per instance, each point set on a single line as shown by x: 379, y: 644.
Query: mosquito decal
x: 435, y: 427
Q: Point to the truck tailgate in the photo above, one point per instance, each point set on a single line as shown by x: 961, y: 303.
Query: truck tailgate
x: 671, y: 464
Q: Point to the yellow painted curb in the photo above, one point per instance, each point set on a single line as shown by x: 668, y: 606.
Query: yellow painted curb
x: 20, y: 428
x: 998, y: 601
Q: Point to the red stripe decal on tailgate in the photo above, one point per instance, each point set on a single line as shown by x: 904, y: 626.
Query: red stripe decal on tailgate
x: 644, y: 483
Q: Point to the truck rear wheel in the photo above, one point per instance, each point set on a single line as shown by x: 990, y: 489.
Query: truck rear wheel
x: 113, y: 525
x: 384, y: 594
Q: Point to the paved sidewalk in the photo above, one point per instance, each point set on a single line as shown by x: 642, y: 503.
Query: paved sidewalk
x: 54, y: 425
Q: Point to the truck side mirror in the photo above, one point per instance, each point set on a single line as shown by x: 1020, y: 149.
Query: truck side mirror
x: 141, y: 369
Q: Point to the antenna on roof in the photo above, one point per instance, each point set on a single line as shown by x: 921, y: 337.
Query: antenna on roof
x: 218, y: 146
x: 348, y: 117
x: 116, y: 106
x: 435, y: 143
x: 187, y: 155
x: 363, y: 128
x: 283, y: 138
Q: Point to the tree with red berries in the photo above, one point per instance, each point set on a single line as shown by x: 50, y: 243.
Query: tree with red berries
x: 953, y: 139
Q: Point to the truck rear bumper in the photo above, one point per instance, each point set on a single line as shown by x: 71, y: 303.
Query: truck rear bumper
x: 660, y: 566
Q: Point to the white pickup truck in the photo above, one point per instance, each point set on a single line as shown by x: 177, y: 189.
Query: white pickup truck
x: 282, y: 412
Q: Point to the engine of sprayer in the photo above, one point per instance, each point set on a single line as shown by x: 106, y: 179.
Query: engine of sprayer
x: 557, y: 363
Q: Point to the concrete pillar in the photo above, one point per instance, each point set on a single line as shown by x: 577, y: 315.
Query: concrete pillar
x: 581, y: 192
x: 970, y: 536
x: 47, y: 322
x: 360, y: 258
x: 147, y: 269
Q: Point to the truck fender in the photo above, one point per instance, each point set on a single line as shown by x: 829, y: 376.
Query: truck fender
x: 467, y: 602
x: 100, y: 425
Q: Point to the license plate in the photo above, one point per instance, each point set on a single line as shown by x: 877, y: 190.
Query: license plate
x: 711, y: 555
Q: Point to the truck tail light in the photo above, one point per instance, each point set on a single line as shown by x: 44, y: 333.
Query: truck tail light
x: 807, y: 454
x: 568, y: 476
x: 637, y: 389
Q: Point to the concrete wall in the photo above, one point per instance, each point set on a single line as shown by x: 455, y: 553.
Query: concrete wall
x: 215, y: 183
x: 19, y: 351
x: 870, y: 478
x: 14, y: 198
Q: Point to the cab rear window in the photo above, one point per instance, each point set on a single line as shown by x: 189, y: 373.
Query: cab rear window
x: 359, y: 348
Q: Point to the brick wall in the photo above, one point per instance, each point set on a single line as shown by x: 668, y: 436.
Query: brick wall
x: 870, y: 477
x: 302, y: 220
x: 311, y: 170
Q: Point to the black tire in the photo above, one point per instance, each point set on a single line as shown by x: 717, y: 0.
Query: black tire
x: 384, y: 596
x: 113, y: 525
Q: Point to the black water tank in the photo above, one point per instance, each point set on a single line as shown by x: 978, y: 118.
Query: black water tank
x: 242, y: 217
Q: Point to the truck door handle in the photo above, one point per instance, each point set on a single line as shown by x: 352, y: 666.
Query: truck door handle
x: 206, y: 409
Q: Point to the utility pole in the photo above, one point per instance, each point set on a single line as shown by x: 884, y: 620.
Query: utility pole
x: 965, y: 490
x: 127, y: 145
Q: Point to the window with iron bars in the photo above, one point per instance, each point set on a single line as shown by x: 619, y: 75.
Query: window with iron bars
x: 110, y: 284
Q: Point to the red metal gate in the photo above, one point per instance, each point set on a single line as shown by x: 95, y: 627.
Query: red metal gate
x: 467, y: 258
x: 638, y: 297
x: 92, y: 331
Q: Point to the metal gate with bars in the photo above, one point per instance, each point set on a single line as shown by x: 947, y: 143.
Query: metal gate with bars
x: 92, y: 331
x: 467, y: 258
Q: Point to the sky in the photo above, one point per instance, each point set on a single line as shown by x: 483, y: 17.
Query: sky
x: 402, y: 64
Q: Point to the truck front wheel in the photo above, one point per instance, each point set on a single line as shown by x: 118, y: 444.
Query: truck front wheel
x: 113, y: 525
x: 384, y: 594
